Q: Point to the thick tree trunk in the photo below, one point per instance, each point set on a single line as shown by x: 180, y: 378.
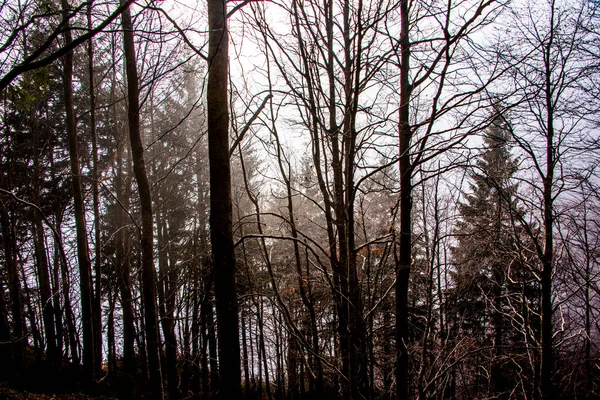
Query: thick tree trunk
x: 139, y: 169
x: 220, y: 203
x: 404, y: 261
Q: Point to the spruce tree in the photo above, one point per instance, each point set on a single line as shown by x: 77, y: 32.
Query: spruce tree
x: 489, y: 276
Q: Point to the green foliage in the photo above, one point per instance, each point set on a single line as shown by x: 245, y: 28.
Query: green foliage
x: 35, y: 86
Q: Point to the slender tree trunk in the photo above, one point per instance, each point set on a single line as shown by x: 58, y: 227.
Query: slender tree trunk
x: 122, y: 236
x: 97, y: 301
x: 220, y: 203
x: 588, y: 308
x: 56, y: 299
x: 139, y: 169
x: 305, y: 294
x: 83, y: 255
x: 292, y: 368
x: 202, y: 355
x: 122, y: 269
x: 547, y: 362
x: 45, y: 292
x: 245, y: 360
x: 262, y: 347
x: 41, y: 257
x: 69, y: 317
x: 110, y: 335
x: 251, y: 346
x: 546, y: 366
x: 210, y: 378
x: 259, y: 382
x: 166, y: 296
x: 5, y: 353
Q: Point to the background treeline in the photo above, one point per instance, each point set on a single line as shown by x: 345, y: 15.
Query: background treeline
x: 389, y: 199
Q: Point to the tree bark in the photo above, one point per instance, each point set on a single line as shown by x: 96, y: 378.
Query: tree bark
x: 145, y: 196
x: 220, y: 203
x: 405, y: 241
x: 83, y: 255
x: 52, y: 357
x: 547, y: 361
x: 97, y: 301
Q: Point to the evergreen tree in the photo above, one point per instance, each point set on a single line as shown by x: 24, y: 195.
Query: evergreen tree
x: 490, y: 276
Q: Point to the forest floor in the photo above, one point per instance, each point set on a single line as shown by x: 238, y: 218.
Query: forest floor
x: 38, y: 381
x: 9, y: 393
x: 45, y: 385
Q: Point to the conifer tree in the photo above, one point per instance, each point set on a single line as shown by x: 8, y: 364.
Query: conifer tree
x: 488, y: 259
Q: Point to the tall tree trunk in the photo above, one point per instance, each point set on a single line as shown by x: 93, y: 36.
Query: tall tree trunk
x: 97, y: 302
x: 41, y: 256
x: 547, y: 267
x: 122, y: 237
x: 145, y: 196
x: 547, y: 362
x: 403, y: 263
x: 83, y: 255
x: 122, y: 269
x: 220, y: 202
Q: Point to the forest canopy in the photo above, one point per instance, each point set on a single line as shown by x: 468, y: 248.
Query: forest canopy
x: 285, y: 199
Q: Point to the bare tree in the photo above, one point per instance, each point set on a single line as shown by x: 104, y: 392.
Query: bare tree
x: 221, y: 235
x: 83, y: 255
x: 548, y: 130
x: 145, y: 197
